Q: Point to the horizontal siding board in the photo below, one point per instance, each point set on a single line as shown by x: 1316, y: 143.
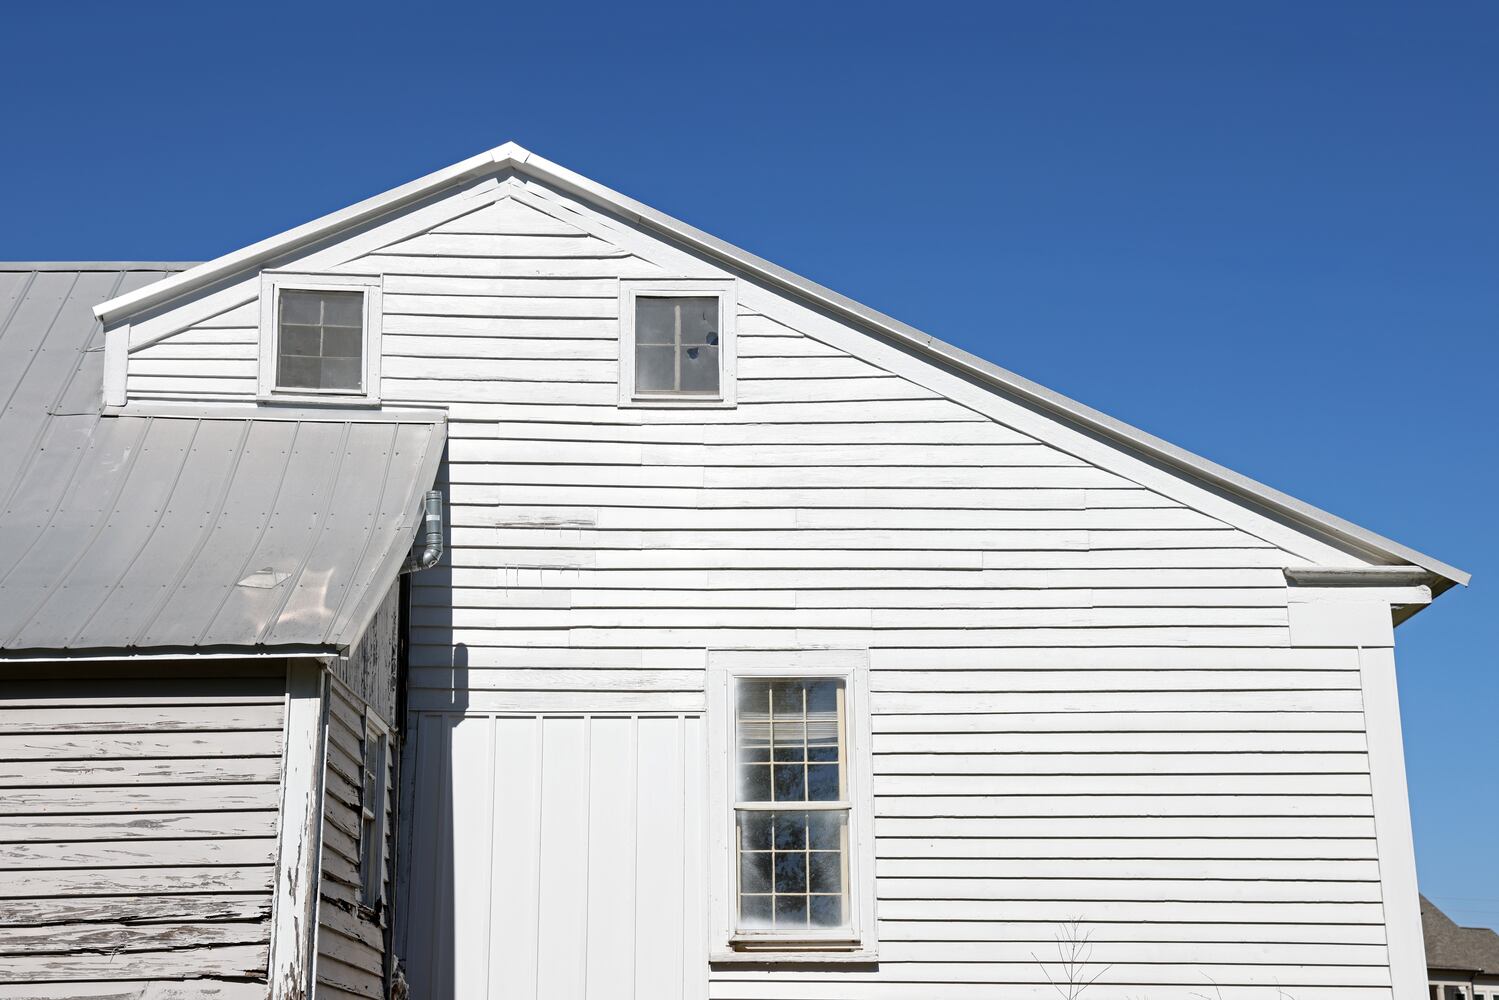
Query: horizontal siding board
x: 122, y: 746
x: 137, y: 826
x: 1132, y: 933
x: 191, y: 771
x: 154, y: 719
x: 236, y: 960
x: 19, y: 884
x: 140, y: 798
x: 1130, y: 850
x: 196, y: 907
x: 118, y: 938
x: 139, y: 853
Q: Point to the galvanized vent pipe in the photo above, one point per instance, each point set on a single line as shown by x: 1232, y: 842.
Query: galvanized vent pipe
x: 430, y: 536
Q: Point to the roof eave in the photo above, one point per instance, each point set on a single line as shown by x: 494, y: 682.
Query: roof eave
x: 510, y: 155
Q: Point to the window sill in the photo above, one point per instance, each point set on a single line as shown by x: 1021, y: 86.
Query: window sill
x: 330, y: 400
x: 681, y: 403
x: 810, y: 955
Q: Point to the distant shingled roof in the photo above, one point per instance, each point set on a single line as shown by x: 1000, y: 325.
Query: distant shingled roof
x: 1460, y: 949
x: 221, y: 527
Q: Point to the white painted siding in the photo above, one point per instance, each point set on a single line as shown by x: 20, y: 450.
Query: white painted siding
x: 350, y: 941
x: 1085, y: 700
x: 138, y: 828
x: 557, y: 857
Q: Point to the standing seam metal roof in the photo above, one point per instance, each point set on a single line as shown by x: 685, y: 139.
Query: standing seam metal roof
x: 210, y: 529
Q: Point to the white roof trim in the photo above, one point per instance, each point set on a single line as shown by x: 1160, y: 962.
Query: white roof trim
x: 512, y: 156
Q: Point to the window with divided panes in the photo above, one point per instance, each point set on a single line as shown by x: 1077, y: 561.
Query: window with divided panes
x: 791, y: 805
x: 320, y: 341
x: 677, y: 345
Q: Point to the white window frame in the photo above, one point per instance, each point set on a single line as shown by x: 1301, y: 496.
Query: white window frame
x: 725, y: 290
x: 376, y: 733
x: 856, y: 943
x: 272, y: 284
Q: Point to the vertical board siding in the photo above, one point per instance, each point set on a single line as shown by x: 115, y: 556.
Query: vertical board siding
x: 351, y: 938
x: 558, y: 859
x: 138, y: 810
x: 1085, y: 703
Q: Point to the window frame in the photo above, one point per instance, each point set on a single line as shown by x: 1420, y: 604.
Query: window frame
x: 377, y: 733
x: 858, y: 941
x: 272, y: 284
x: 725, y: 290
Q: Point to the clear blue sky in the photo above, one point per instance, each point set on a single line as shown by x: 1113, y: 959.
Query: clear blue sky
x: 1268, y: 232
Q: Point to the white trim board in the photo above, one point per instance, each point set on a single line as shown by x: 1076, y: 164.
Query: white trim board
x: 509, y: 156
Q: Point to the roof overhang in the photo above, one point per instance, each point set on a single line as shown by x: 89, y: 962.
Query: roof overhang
x: 511, y: 156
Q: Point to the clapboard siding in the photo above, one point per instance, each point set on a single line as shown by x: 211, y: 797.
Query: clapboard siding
x: 138, y: 835
x: 1085, y: 703
x: 351, y: 938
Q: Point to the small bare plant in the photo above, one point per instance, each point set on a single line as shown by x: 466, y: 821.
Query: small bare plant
x: 1280, y: 993
x: 1074, y: 955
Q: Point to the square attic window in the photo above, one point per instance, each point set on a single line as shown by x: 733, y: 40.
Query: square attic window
x: 677, y: 341
x: 320, y: 340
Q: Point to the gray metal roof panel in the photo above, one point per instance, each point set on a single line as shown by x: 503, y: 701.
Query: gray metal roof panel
x: 216, y: 528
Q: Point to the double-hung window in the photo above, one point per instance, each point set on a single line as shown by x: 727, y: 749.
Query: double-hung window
x: 677, y: 343
x: 791, y: 811
x: 320, y: 338
x: 792, y: 831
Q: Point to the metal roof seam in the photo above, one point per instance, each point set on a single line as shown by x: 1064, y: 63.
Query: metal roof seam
x: 52, y: 592
x: 250, y: 551
x: 294, y: 582
x: 88, y: 335
x: 31, y: 362
x: 333, y: 621
x: 144, y: 543
x: 15, y: 306
x: 210, y: 523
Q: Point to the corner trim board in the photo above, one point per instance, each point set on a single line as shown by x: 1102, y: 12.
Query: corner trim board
x: 294, y: 908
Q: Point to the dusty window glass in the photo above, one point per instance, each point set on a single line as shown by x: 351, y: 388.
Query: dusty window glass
x: 791, y: 805
x: 320, y: 341
x: 677, y: 345
x: 372, y: 818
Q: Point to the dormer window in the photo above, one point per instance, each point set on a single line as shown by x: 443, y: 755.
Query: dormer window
x: 319, y: 338
x: 677, y: 343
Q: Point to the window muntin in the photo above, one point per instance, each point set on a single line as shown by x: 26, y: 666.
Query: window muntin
x: 677, y: 344
x: 320, y: 340
x: 372, y: 814
x: 791, y: 806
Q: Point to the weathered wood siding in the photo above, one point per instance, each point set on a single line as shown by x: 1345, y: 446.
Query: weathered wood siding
x: 370, y: 667
x: 350, y: 943
x: 138, y: 828
x: 1086, y: 703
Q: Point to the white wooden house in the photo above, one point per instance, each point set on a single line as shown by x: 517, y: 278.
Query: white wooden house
x: 779, y: 651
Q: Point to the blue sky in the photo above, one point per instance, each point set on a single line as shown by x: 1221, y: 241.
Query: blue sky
x: 1268, y: 232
